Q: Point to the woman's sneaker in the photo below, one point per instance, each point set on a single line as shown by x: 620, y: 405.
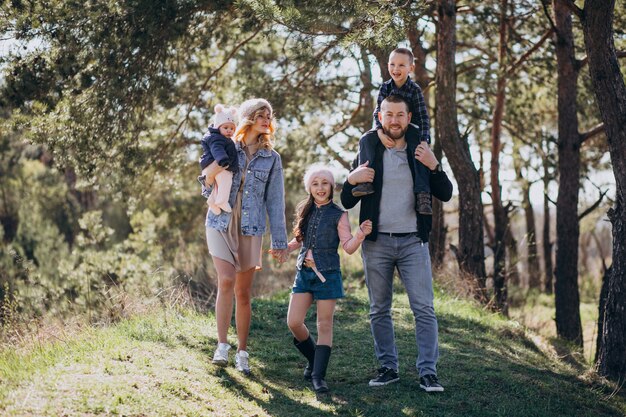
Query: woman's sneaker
x: 241, y: 362
x: 220, y: 357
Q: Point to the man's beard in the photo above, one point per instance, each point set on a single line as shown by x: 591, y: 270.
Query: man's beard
x: 400, y: 135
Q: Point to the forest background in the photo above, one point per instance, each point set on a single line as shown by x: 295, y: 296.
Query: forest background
x: 103, y: 104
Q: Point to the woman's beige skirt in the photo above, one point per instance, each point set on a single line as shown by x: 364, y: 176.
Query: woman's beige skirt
x: 244, y: 252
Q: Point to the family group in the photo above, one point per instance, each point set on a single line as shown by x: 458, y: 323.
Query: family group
x: 394, y: 177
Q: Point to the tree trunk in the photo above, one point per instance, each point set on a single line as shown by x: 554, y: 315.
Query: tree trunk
x: 610, y: 93
x: 471, y: 251
x: 382, y: 57
x: 437, y: 241
x: 512, y: 273
x: 500, y: 217
x: 547, y: 242
x: 568, y: 325
x: 364, y: 122
x: 601, y: 309
x: 534, y: 272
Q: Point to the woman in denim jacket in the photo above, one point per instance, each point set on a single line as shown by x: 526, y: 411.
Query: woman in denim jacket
x: 235, y: 239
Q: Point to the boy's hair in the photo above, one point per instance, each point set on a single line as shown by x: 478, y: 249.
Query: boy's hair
x: 404, y: 51
x: 395, y: 98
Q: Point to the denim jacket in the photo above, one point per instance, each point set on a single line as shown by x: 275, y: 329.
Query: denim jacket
x: 322, y: 238
x: 263, y: 193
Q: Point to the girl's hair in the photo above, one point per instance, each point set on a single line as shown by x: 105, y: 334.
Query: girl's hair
x: 265, y: 139
x: 303, y: 212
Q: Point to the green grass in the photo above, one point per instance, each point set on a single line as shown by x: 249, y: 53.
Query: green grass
x: 536, y: 312
x: 159, y: 364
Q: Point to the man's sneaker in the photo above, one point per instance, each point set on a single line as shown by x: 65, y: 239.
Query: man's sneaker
x: 364, y: 188
x: 424, y: 204
x: 385, y: 376
x: 220, y: 357
x: 241, y: 362
x: 430, y: 383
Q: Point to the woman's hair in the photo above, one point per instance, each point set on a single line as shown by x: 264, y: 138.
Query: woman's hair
x: 303, y: 211
x: 265, y: 139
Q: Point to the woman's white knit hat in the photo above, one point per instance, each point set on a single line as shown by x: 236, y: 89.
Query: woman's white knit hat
x: 224, y: 115
x: 320, y: 171
x: 248, y: 107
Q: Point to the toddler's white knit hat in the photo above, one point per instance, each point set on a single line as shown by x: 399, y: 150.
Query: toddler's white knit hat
x: 318, y: 171
x: 224, y: 115
x: 248, y: 107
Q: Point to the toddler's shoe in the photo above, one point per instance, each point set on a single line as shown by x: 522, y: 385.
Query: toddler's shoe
x: 220, y: 357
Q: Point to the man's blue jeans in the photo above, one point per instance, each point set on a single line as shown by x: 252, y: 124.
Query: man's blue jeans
x: 410, y: 256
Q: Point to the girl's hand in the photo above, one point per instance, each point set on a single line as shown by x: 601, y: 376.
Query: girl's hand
x: 366, y: 227
x: 386, y: 140
x: 279, y: 254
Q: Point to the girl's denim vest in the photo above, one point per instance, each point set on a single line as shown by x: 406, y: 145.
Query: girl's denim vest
x: 322, y: 238
x: 263, y: 194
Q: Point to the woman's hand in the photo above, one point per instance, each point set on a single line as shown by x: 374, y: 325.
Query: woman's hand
x: 210, y: 172
x: 280, y: 255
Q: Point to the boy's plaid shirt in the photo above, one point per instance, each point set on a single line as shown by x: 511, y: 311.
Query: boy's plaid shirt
x: 412, y: 93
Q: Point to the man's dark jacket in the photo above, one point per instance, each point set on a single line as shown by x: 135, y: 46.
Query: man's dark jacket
x: 440, y: 188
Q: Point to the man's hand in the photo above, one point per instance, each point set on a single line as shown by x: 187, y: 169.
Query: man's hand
x: 361, y: 174
x: 386, y: 140
x: 425, y: 155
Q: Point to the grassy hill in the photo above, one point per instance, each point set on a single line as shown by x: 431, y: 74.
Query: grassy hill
x: 159, y: 364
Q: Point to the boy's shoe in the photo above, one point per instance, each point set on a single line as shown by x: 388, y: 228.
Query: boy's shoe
x: 364, y: 188
x: 424, y: 205
x: 241, y: 362
x: 430, y: 383
x: 385, y: 376
x: 220, y: 357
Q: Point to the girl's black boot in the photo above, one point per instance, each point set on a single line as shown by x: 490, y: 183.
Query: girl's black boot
x: 322, y: 355
x: 307, y: 348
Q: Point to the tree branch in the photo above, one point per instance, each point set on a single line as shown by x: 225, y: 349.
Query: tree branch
x: 315, y: 63
x: 528, y: 53
x: 203, y: 88
x: 596, y: 130
x: 469, y: 68
x: 485, y: 51
x: 575, y: 9
x: 593, y: 206
x: 544, y: 3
